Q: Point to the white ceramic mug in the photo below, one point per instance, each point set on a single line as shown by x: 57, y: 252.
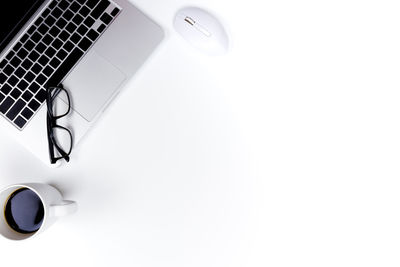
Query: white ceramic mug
x: 53, y: 204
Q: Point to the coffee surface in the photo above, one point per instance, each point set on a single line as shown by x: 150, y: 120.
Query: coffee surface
x: 24, y: 211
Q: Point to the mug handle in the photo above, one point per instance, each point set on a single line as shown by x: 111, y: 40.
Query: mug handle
x: 66, y: 207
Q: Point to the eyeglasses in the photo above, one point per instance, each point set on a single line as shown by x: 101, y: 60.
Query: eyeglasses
x: 59, y: 138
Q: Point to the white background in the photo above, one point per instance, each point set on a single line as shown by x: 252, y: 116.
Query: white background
x: 282, y: 153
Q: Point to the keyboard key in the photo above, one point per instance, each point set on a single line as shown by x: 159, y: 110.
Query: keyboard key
x: 64, y: 35
x: 20, y: 122
x: 46, y: 13
x: 85, y: 44
x: 41, y: 95
x: 84, y: 11
x: 9, y: 70
x: 15, y: 62
x: 22, y: 53
x: 16, y: 109
x: 36, y: 37
x: 61, y: 54
x: 82, y: 30
x: 100, y: 8
x: 47, y: 39
x: 115, y: 12
x: 2, y: 97
x: 40, y: 48
x: 3, y: 78
x: 41, y: 79
x: 6, y: 89
x: 48, y: 71
x: 34, y: 105
x: 20, y: 72
x: 34, y: 87
x: 56, y: 12
x: 12, y: 53
x: 43, y: 29
x: 16, y: 93
x: 38, y: 21
x: 54, y: 31
x: 27, y: 96
x: 32, y: 29
x: 75, y: 7
x: 63, y: 4
x: 6, y: 105
x: 50, y: 20
x: 89, y: 22
x: 101, y: 28
x: 27, y: 113
x: 55, y: 63
x: 57, y: 43
x: 50, y: 52
x: 29, y: 77
x: 61, y: 23
x: 71, y: 27
x: 68, y: 46
x: 29, y: 45
x: 93, y: 35
x: 68, y: 15
x: 75, y: 38
x: 78, y: 19
x: 43, y: 60
x: 22, y: 85
x: 106, y: 18
x: 3, y: 63
x: 91, y: 3
x: 13, y: 80
x: 24, y: 38
x: 27, y: 63
x: 52, y: 5
x: 34, y: 56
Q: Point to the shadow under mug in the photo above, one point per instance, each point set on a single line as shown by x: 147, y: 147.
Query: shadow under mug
x: 53, y: 205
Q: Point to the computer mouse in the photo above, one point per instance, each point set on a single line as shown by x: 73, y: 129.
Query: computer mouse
x: 202, y: 30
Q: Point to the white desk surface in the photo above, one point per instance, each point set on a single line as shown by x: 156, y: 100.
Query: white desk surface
x: 285, y: 152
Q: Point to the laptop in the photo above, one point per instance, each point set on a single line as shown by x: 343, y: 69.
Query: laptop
x: 90, y: 47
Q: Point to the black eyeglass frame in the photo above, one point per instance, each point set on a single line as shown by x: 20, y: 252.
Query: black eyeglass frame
x: 52, y: 93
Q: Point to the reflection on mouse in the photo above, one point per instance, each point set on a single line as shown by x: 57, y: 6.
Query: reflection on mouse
x: 202, y: 30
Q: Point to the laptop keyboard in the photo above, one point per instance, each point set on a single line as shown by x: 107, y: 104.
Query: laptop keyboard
x: 47, y: 52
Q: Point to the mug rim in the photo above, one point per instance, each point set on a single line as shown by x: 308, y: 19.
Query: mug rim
x: 17, y: 187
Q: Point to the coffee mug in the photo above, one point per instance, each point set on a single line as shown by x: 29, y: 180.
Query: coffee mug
x: 29, y: 209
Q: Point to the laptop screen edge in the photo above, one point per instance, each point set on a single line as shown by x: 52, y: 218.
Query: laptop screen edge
x: 16, y: 30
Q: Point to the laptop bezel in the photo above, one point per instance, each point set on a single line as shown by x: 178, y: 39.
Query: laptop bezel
x: 24, y: 28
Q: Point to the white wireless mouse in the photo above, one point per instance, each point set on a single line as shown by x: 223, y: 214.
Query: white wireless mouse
x: 202, y: 30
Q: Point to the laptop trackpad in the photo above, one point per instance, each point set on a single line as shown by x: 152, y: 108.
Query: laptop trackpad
x: 92, y: 84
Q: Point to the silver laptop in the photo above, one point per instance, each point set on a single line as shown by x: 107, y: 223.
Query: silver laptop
x: 90, y: 47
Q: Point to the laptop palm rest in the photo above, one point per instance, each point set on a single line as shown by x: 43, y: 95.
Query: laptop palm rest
x: 92, y: 84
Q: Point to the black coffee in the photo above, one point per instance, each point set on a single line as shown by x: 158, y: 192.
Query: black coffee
x: 24, y: 211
